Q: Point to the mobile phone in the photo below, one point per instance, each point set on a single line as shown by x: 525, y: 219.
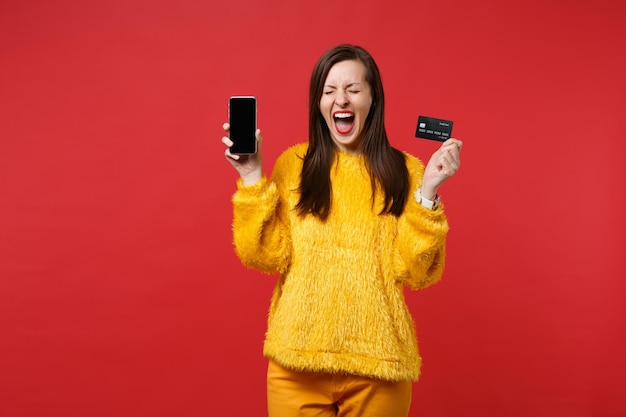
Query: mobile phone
x: 242, y: 120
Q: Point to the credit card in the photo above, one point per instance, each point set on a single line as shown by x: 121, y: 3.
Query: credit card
x: 433, y: 128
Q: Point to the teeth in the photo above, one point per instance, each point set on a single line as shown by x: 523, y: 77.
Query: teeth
x: 343, y: 115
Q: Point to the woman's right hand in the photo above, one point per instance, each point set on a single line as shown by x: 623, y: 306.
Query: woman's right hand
x: 249, y: 167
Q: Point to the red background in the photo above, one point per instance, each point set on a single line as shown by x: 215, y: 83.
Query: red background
x: 120, y: 294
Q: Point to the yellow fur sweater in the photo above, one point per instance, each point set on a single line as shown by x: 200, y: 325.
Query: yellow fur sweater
x: 339, y: 305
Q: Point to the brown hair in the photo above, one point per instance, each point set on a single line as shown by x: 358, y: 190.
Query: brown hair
x: 386, y: 165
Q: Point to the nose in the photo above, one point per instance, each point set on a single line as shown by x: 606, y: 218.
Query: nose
x: 341, y: 98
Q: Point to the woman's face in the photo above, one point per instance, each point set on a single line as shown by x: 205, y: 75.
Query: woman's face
x: 345, y: 104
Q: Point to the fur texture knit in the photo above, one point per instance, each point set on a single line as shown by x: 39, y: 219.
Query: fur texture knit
x: 338, y: 305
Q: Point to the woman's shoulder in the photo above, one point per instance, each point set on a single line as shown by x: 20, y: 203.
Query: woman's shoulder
x: 298, y: 150
x: 413, y: 163
x: 291, y: 158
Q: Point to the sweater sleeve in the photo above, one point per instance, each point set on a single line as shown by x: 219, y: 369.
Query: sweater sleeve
x: 421, y: 238
x: 260, y: 227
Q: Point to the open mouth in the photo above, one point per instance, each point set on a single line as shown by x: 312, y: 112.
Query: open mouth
x: 344, y: 121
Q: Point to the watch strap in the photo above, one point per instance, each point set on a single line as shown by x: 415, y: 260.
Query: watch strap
x: 426, y: 203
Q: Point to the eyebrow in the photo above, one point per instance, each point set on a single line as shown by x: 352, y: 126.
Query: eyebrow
x: 347, y: 86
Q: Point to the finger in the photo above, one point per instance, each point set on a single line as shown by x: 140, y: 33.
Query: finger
x: 226, y: 127
x: 451, y: 144
x: 452, y: 148
x: 230, y: 155
x: 451, y: 167
x: 442, y: 161
x: 259, y: 136
x: 226, y: 141
x: 453, y: 152
x: 449, y: 163
x: 447, y: 153
x: 458, y: 143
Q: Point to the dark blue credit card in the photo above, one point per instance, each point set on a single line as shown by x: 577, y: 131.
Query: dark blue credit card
x: 433, y: 128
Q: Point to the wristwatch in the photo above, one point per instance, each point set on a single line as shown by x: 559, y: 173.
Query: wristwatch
x: 426, y: 203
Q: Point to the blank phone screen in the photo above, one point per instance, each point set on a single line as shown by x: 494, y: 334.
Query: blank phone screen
x: 242, y: 118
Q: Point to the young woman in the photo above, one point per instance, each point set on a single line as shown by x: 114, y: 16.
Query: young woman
x: 346, y: 221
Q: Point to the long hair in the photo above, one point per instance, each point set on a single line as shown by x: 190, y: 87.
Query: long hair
x: 386, y: 166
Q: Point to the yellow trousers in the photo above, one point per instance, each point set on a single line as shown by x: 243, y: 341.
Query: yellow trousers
x: 311, y: 394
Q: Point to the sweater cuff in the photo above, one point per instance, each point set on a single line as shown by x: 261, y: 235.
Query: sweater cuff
x: 257, y: 194
x: 257, y: 187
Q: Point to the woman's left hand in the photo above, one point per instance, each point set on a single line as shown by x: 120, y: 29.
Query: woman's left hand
x: 443, y: 164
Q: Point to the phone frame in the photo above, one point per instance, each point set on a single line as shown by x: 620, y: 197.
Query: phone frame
x: 247, y: 146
